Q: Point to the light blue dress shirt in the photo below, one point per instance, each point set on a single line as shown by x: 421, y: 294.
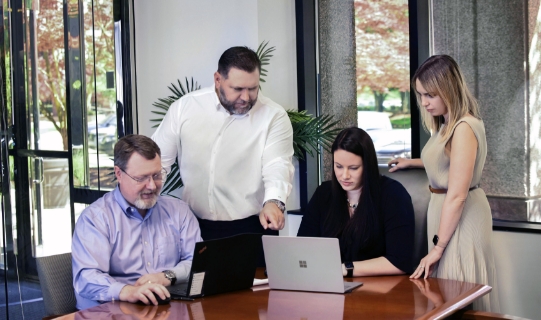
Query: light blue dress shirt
x: 113, y: 245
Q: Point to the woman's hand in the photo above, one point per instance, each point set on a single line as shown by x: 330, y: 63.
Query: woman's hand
x: 398, y: 164
x: 432, y: 295
x: 428, y: 263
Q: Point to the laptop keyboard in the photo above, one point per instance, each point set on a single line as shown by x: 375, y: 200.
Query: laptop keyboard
x: 179, y: 289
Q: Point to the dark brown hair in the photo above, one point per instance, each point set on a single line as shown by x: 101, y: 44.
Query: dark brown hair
x: 129, y: 144
x: 364, y: 229
x: 242, y: 58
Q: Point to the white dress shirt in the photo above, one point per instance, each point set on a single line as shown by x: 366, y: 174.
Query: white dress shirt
x: 230, y: 164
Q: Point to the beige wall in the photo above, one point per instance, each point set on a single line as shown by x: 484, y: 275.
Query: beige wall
x: 518, y: 263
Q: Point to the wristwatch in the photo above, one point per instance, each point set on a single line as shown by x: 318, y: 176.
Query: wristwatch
x: 349, y: 268
x: 435, y: 240
x: 170, y: 275
x: 278, y: 203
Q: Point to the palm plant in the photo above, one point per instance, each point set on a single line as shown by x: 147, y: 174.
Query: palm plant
x: 174, y: 181
x: 310, y: 134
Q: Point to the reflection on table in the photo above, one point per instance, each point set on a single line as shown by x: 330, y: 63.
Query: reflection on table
x: 395, y: 297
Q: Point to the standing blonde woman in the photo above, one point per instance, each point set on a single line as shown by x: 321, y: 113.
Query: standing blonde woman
x: 459, y: 217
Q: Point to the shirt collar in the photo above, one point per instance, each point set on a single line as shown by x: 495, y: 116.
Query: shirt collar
x: 129, y: 210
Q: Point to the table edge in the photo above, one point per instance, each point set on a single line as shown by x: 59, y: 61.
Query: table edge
x: 458, y: 303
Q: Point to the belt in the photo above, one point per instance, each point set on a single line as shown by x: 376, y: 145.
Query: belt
x: 443, y: 191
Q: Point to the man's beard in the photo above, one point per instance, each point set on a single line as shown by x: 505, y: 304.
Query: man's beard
x: 144, y: 204
x: 231, y: 105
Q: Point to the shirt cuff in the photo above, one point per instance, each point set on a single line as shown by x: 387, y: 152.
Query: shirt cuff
x: 182, y: 271
x: 114, y: 290
x: 275, y: 193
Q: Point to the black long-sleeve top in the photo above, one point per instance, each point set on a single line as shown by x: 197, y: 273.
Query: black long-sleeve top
x: 398, y: 223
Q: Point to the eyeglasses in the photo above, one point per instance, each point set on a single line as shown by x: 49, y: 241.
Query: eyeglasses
x: 158, y: 177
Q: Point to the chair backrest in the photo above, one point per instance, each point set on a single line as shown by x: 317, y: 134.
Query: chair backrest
x: 416, y: 183
x: 56, y: 281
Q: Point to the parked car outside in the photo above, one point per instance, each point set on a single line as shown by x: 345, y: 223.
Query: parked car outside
x: 105, y: 136
x: 389, y: 143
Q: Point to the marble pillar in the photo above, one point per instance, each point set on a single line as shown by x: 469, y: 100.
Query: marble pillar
x: 337, y: 66
x: 496, y: 44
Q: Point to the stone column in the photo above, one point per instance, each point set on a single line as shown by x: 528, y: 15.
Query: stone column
x: 337, y: 66
x: 496, y: 44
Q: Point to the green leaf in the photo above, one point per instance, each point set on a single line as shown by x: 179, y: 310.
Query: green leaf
x: 311, y: 134
x: 264, y: 55
x: 178, y: 92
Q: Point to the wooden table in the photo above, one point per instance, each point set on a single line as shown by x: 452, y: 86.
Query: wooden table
x: 389, y: 297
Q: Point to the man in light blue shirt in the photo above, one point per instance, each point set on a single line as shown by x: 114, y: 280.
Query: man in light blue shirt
x: 132, y: 242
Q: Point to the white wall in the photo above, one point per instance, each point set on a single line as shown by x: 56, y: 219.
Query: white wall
x: 518, y: 265
x: 175, y: 39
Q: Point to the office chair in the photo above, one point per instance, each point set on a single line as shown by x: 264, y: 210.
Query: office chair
x: 56, y: 281
x: 416, y: 183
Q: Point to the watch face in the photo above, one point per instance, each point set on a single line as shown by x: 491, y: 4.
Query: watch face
x: 169, y: 274
x: 435, y: 239
x: 348, y: 265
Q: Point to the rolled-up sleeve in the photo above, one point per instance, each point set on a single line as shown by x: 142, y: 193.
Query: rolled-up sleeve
x: 277, y: 169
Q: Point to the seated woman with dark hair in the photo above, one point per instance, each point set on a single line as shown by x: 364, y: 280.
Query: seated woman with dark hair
x: 370, y: 214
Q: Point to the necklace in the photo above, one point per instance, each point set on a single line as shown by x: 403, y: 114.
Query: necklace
x: 352, y: 205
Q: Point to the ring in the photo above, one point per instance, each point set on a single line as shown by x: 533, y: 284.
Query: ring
x: 419, y: 267
x: 149, y: 281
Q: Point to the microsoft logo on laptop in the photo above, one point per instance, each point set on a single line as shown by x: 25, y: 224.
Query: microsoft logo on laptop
x: 302, y: 264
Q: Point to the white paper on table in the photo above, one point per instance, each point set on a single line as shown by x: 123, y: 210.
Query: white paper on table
x: 259, y: 282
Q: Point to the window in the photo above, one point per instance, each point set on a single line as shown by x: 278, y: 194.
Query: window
x: 382, y: 74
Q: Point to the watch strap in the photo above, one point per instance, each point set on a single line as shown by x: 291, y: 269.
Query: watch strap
x: 349, y: 268
x: 435, y: 240
x: 170, y: 274
x: 278, y: 203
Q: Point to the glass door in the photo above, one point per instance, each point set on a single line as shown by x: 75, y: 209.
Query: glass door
x: 62, y: 111
x: 66, y: 118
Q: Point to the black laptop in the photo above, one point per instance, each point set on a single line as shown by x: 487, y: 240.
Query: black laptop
x: 221, y: 265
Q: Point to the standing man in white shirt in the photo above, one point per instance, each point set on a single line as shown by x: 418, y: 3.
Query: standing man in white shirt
x: 234, y: 148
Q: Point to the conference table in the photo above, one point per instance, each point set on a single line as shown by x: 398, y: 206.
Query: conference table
x: 384, y: 297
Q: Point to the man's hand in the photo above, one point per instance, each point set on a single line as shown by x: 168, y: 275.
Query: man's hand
x: 158, y: 278
x: 271, y: 217
x: 144, y: 293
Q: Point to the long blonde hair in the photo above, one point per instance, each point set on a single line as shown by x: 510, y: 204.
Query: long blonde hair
x: 440, y: 76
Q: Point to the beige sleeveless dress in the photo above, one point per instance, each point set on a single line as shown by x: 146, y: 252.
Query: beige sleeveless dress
x: 468, y: 256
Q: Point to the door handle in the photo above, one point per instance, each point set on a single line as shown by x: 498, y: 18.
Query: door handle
x: 40, y: 174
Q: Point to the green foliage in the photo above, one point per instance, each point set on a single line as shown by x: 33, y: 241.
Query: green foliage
x: 174, y: 181
x: 311, y: 132
x: 264, y: 55
x: 78, y: 166
x: 165, y: 103
x: 401, y: 123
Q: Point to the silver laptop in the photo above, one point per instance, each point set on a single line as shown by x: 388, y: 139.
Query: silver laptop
x: 305, y: 264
